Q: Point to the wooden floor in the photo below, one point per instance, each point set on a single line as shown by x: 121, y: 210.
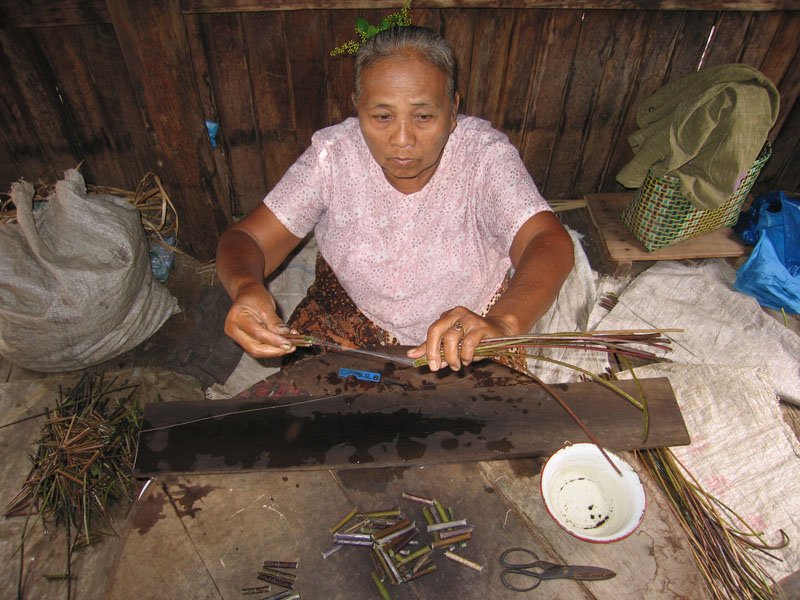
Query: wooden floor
x: 205, y: 536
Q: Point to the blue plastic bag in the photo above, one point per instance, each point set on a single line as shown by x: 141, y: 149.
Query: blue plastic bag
x: 772, y: 272
x: 162, y: 257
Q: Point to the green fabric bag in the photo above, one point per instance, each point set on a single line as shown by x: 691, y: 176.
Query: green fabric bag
x: 706, y: 129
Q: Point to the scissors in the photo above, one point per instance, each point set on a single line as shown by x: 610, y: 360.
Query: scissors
x: 539, y: 570
x: 308, y: 340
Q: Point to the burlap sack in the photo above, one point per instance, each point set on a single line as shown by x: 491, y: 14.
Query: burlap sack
x: 76, y: 287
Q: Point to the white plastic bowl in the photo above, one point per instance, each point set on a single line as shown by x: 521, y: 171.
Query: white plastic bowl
x: 588, y: 499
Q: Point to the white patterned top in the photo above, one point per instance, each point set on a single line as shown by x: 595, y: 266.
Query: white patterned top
x: 405, y: 259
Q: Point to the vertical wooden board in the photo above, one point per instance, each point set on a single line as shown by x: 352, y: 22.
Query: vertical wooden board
x: 690, y: 44
x: 228, y: 59
x: 553, y: 68
x: 727, y: 43
x: 619, y: 72
x: 339, y: 70
x: 512, y: 108
x: 458, y: 27
x: 130, y: 146
x: 266, y: 45
x: 760, y: 35
x: 152, y: 37
x: 595, y: 44
x: 428, y: 17
x: 87, y: 113
x: 490, y: 57
x: 306, y: 71
x: 269, y: 74
x: 781, y: 171
x: 782, y: 174
x: 19, y: 142
x: 31, y: 112
x: 660, y: 34
x: 790, y: 177
x: 789, y: 88
x: 9, y: 173
x: 205, y: 88
x: 783, y: 49
x: 781, y: 66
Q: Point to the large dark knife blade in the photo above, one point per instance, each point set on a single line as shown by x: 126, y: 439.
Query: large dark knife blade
x: 586, y: 573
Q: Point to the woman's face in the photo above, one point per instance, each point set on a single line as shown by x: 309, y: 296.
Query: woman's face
x: 406, y: 118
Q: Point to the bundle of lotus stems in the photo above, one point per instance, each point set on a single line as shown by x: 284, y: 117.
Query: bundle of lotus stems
x: 723, y: 544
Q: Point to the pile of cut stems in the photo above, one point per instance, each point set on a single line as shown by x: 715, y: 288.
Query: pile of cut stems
x: 83, y: 465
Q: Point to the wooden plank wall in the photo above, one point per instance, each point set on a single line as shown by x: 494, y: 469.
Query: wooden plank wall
x: 124, y: 86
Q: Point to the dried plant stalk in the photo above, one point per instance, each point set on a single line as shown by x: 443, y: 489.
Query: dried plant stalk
x: 631, y: 343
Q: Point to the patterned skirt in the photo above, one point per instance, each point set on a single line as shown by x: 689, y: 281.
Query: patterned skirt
x: 328, y: 313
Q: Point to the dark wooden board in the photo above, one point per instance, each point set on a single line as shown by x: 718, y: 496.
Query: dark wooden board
x: 548, y: 95
x: 31, y: 117
x: 228, y: 64
x: 369, y: 425
x: 488, y: 76
x: 269, y: 77
x: 79, y: 58
x: 660, y: 36
x: 152, y: 40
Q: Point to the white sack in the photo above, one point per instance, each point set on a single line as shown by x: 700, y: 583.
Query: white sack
x: 720, y: 325
x: 570, y: 312
x: 76, y: 287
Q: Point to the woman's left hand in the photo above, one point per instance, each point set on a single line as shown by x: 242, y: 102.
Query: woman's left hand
x: 457, y: 332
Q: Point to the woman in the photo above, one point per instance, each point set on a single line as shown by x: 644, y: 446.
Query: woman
x: 419, y: 214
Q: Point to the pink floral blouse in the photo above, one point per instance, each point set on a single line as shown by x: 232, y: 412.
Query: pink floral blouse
x: 405, y: 259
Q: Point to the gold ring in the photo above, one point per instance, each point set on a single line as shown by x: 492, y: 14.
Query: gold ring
x: 458, y: 326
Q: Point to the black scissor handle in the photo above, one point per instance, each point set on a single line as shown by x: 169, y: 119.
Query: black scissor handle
x: 507, y: 577
x: 519, y: 565
x: 516, y: 570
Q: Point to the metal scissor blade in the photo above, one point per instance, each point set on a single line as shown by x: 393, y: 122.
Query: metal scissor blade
x: 399, y: 359
x: 586, y: 573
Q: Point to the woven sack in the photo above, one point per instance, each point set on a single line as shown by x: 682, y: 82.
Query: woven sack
x: 76, y: 287
x: 660, y: 215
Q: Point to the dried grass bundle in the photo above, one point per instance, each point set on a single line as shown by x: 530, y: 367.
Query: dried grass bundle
x: 623, y: 345
x: 159, y: 216
x: 83, y: 464
x: 157, y: 212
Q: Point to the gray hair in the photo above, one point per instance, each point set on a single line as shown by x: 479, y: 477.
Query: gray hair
x: 429, y: 45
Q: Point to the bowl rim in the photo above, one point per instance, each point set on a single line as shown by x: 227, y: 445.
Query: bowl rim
x: 627, y: 468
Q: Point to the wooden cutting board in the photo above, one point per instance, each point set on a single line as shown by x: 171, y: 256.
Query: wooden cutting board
x: 482, y: 413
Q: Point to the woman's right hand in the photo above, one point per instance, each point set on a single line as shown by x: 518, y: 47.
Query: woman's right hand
x: 254, y: 324
x: 247, y: 252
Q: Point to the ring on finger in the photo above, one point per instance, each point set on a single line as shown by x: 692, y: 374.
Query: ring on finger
x: 459, y: 326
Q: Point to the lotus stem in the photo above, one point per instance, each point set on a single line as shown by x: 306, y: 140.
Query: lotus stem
x: 721, y: 549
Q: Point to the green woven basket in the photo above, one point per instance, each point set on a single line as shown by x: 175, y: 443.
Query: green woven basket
x: 660, y: 215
